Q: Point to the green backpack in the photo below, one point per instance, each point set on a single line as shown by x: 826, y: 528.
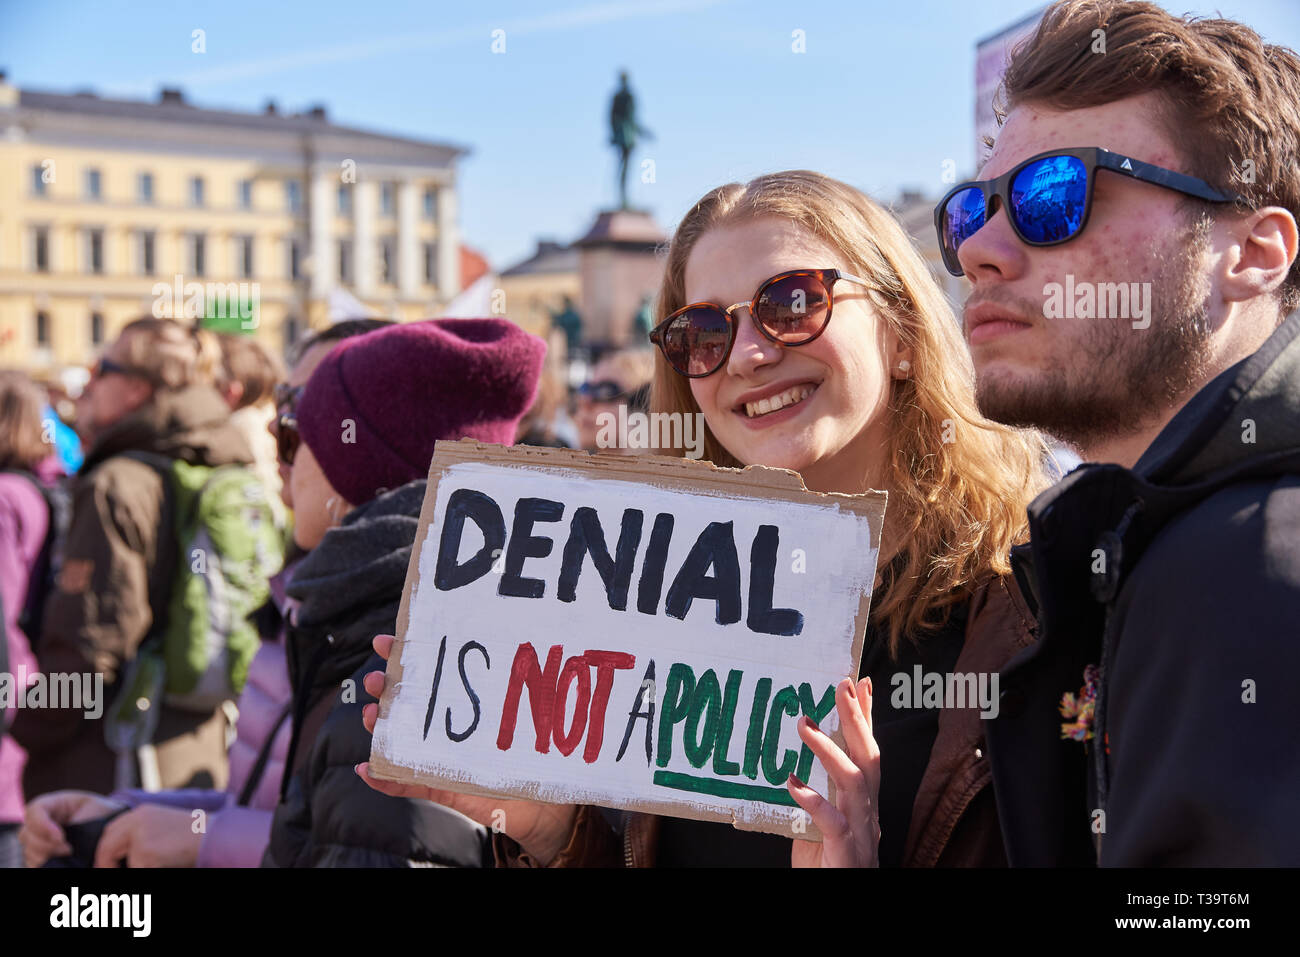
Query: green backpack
x: 199, y: 652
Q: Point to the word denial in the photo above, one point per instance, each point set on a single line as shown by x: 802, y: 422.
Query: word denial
x: 629, y: 632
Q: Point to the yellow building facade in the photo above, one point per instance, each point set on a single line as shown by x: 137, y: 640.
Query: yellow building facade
x: 280, y: 223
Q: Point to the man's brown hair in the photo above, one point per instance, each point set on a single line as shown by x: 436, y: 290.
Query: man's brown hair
x: 169, y: 355
x: 1231, y: 101
x: 245, y: 361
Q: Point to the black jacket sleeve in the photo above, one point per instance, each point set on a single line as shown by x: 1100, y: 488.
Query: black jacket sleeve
x: 331, y: 818
x: 1204, y: 742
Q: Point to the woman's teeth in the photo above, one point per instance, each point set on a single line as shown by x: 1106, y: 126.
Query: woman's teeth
x: 777, y: 402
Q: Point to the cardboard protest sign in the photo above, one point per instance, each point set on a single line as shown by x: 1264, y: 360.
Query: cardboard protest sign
x: 634, y: 632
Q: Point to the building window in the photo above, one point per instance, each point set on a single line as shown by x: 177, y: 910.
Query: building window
x: 345, y: 261
x: 198, y: 254
x: 146, y: 187
x: 196, y: 190
x: 386, y: 260
x: 41, y: 249
x: 345, y: 199
x: 95, y: 251
x: 146, y: 253
x: 386, y: 199
x: 430, y: 204
x: 294, y: 267
x: 93, y: 184
x: 38, y: 181
x: 244, y: 189
x: 293, y: 195
x: 96, y: 328
x: 430, y: 263
x: 244, y: 256
x: 43, y: 330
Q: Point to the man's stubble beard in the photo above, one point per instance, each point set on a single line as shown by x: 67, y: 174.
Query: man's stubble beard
x: 1119, y: 379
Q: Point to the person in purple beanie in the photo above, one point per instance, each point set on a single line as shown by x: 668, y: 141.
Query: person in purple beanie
x: 368, y: 420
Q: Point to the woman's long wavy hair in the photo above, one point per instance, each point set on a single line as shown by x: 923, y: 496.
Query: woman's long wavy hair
x: 958, y: 484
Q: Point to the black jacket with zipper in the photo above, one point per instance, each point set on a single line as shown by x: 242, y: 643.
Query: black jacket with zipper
x: 1180, y: 580
x: 350, y: 587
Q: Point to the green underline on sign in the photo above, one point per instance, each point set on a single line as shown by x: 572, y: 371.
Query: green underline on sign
x: 728, y: 789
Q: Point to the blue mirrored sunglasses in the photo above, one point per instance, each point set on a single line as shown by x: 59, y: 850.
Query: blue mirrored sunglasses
x: 1048, y: 197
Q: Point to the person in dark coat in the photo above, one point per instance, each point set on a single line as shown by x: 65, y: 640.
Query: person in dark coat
x: 1153, y: 722
x: 368, y: 420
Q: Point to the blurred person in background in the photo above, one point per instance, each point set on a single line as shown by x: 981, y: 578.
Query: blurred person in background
x: 25, y: 523
x: 356, y: 510
x: 541, y: 423
x: 151, y: 391
x: 618, y: 378
x: 158, y: 830
x: 246, y: 379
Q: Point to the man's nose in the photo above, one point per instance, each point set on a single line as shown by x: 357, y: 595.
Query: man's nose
x: 993, y: 250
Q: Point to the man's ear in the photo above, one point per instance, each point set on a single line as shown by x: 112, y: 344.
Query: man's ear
x: 141, y: 393
x: 232, y: 392
x: 1266, y: 246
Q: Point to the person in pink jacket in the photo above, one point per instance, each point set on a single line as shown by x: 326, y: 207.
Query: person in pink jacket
x: 195, y: 827
x: 25, y: 461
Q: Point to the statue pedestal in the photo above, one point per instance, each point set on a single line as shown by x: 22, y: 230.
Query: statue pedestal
x: 618, y: 266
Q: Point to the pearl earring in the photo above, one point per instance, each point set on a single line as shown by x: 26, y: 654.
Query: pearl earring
x: 904, y: 367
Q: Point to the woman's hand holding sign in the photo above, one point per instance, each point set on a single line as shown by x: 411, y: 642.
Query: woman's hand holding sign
x: 851, y: 826
x: 541, y: 829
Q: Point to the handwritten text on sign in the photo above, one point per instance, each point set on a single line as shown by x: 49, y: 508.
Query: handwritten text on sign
x: 575, y: 631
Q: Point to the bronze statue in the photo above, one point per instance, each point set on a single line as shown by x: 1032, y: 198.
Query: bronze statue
x: 624, y: 132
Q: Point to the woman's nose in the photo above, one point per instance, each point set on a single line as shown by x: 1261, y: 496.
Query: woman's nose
x: 750, y: 350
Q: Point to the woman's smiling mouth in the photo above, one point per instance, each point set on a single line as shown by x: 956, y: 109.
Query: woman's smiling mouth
x: 771, y: 404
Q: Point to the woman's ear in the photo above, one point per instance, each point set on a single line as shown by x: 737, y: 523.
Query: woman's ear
x: 900, y: 363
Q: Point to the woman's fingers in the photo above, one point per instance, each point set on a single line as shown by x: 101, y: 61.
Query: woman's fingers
x: 833, y: 825
x: 369, y: 715
x: 383, y: 645
x: 855, y: 787
x: 853, y: 705
x: 373, y: 682
x: 846, y: 775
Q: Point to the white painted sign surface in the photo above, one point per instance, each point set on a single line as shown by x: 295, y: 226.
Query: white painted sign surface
x: 740, y: 602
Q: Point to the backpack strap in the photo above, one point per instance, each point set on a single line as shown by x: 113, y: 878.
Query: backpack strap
x: 263, y: 756
x: 162, y: 577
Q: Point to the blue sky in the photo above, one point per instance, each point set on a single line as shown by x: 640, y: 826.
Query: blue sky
x: 881, y: 98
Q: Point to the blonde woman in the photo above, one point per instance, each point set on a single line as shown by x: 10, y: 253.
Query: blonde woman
x: 796, y: 315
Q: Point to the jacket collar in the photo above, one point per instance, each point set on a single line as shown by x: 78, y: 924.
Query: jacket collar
x: 192, y: 424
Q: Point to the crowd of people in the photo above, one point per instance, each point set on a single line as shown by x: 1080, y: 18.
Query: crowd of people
x: 1140, y: 611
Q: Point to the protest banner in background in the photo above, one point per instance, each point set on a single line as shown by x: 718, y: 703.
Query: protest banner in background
x: 631, y: 631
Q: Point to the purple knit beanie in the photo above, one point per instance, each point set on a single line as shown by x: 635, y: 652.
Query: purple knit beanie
x: 376, y: 404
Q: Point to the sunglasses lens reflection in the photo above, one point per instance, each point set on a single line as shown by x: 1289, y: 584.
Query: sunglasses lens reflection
x: 695, y: 343
x: 793, y: 309
x: 1048, y: 197
x: 963, y: 216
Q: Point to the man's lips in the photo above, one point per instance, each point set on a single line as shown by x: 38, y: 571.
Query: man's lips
x: 987, y: 321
